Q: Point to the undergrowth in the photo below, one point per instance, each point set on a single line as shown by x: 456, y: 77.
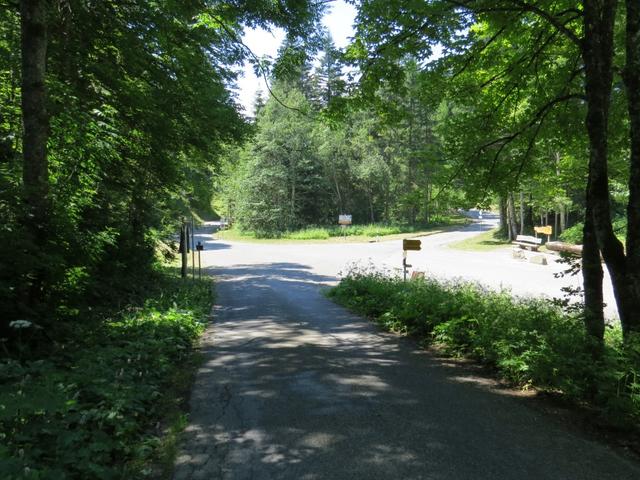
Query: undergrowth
x: 532, y: 342
x: 93, y: 407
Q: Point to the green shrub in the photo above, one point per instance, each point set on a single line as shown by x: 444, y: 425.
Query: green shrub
x: 574, y: 234
x: 531, y: 341
x: 89, y: 410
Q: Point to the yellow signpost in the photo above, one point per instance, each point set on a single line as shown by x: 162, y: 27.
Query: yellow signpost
x: 408, y: 244
x: 546, y: 230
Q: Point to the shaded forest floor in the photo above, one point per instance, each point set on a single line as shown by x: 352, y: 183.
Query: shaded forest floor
x: 108, y: 401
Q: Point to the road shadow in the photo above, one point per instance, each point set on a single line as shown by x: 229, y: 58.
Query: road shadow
x: 296, y: 387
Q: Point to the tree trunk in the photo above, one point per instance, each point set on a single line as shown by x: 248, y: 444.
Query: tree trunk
x: 592, y: 275
x: 632, y: 83
x: 521, y: 213
x: 599, y: 18
x: 371, y: 208
x: 529, y: 219
x: 503, y: 226
x: 35, y: 173
x: 511, y: 216
x: 293, y: 202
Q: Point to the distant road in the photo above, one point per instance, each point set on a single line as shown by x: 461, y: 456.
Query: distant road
x: 496, y: 269
x: 294, y: 387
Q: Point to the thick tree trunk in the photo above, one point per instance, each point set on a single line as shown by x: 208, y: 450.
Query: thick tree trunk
x: 599, y: 18
x: 592, y: 275
x: 427, y: 207
x: 632, y: 82
x: 503, y: 226
x: 521, y: 213
x: 511, y: 216
x: 35, y: 173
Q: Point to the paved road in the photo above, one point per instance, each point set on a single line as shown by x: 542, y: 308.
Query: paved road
x: 496, y: 269
x: 294, y: 387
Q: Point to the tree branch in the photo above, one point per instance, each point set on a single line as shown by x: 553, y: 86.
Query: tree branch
x: 263, y: 72
x: 519, y: 6
x: 561, y: 27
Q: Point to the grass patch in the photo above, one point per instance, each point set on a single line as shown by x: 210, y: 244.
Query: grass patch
x: 531, y: 342
x: 352, y: 233
x: 108, y: 402
x: 483, y: 242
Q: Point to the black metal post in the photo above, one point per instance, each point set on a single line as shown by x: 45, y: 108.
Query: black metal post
x: 184, y: 241
x: 193, y: 253
x: 404, y: 268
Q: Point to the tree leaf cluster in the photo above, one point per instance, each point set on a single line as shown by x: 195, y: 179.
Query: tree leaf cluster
x: 139, y: 107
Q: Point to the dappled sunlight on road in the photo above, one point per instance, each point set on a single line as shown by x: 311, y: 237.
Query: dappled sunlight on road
x: 295, y: 387
x: 323, y: 263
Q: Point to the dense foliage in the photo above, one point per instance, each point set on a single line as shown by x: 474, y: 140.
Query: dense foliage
x: 542, y: 103
x: 91, y: 408
x: 530, y: 342
x: 112, y: 122
x: 113, y: 118
x: 313, y: 157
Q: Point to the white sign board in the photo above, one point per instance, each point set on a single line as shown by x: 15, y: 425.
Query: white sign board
x: 344, y: 219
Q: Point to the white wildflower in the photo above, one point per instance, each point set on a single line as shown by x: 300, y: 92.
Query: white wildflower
x: 18, y: 324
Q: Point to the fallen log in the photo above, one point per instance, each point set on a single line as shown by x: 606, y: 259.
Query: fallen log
x: 564, y: 247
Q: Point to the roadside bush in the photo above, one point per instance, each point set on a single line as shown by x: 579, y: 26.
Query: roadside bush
x: 530, y: 341
x: 91, y: 409
x: 574, y: 234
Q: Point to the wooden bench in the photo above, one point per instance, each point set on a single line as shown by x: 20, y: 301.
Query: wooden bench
x: 528, y: 242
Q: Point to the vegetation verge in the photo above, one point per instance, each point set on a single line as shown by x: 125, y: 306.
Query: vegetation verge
x: 107, y: 403
x: 352, y: 233
x: 531, y: 342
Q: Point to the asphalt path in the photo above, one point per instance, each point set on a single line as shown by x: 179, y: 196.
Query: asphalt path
x: 295, y: 387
